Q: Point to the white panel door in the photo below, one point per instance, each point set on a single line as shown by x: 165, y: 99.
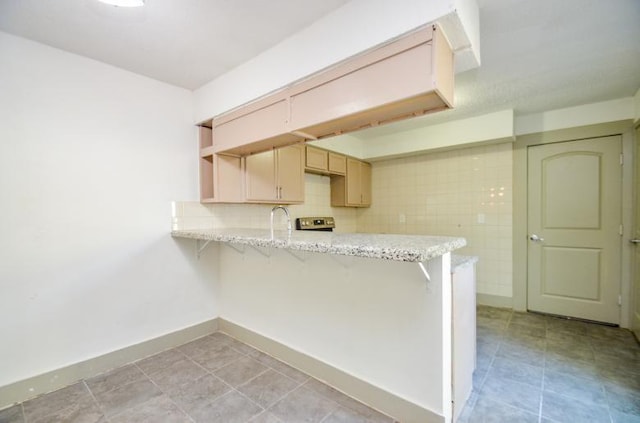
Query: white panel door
x: 574, y: 217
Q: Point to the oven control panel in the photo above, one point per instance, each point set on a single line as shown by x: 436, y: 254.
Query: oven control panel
x: 315, y: 223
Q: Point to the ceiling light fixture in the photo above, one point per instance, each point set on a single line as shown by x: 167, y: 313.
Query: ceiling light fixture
x: 124, y: 3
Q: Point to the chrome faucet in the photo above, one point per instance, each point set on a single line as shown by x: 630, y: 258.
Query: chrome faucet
x: 286, y: 212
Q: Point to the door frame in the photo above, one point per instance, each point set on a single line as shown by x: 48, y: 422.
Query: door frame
x: 520, y: 241
x: 635, y: 278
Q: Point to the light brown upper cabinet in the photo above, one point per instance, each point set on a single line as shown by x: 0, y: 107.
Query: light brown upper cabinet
x: 317, y: 160
x: 324, y: 162
x: 258, y: 126
x: 337, y: 163
x: 275, y: 176
x: 353, y: 189
x: 407, y: 77
x: 220, y: 176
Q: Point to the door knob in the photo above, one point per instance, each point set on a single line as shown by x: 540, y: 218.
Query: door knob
x: 635, y: 241
x: 535, y: 238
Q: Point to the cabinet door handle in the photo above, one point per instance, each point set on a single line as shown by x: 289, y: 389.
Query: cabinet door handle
x: 635, y: 241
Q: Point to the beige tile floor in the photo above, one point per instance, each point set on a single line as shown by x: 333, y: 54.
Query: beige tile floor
x: 212, y: 379
x: 530, y: 368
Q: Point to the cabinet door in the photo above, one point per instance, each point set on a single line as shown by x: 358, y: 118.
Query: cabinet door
x: 354, y: 191
x: 260, y: 176
x: 228, y: 179
x: 290, y: 167
x: 337, y: 163
x: 365, y: 95
x: 365, y: 184
x: 316, y: 159
x: 232, y: 132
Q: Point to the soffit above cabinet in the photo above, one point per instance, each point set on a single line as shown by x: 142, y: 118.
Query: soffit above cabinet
x: 407, y: 77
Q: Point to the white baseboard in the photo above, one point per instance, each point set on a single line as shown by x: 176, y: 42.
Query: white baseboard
x: 31, y: 387
x: 635, y: 326
x: 494, y: 300
x: 386, y: 402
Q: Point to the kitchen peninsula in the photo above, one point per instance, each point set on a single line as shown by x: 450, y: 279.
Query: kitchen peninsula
x: 370, y: 314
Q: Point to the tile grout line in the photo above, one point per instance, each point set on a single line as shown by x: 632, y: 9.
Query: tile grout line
x: 493, y: 357
x: 211, y: 373
x: 263, y: 409
x: 24, y: 415
x: 283, y: 396
x: 602, y: 387
x: 95, y: 400
x: 341, y: 393
x: 544, y: 375
x: 264, y: 412
x: 330, y: 413
x: 163, y: 393
x: 234, y: 389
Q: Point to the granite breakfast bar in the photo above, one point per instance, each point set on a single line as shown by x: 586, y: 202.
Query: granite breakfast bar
x: 408, y: 248
x: 369, y: 314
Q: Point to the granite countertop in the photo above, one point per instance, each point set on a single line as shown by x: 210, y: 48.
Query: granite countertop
x: 408, y: 248
x: 458, y: 261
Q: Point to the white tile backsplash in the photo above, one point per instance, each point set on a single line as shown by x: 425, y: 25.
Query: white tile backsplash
x: 193, y: 215
x: 445, y: 193
x: 441, y: 193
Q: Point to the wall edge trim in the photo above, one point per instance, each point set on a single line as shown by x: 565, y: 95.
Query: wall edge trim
x: 375, y: 397
x: 31, y: 387
x: 494, y: 300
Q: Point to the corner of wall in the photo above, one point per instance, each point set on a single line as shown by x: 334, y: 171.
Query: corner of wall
x: 490, y: 128
x: 621, y: 109
x: 636, y: 101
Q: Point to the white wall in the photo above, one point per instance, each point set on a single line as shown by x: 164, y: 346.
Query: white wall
x: 620, y: 109
x: 373, y: 319
x: 489, y: 128
x: 90, y: 158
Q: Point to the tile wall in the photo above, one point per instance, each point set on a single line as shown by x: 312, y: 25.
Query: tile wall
x: 465, y: 192
x: 193, y: 215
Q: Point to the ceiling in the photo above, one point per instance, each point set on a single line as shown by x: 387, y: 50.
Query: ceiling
x: 544, y: 55
x: 536, y: 55
x: 183, y: 42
